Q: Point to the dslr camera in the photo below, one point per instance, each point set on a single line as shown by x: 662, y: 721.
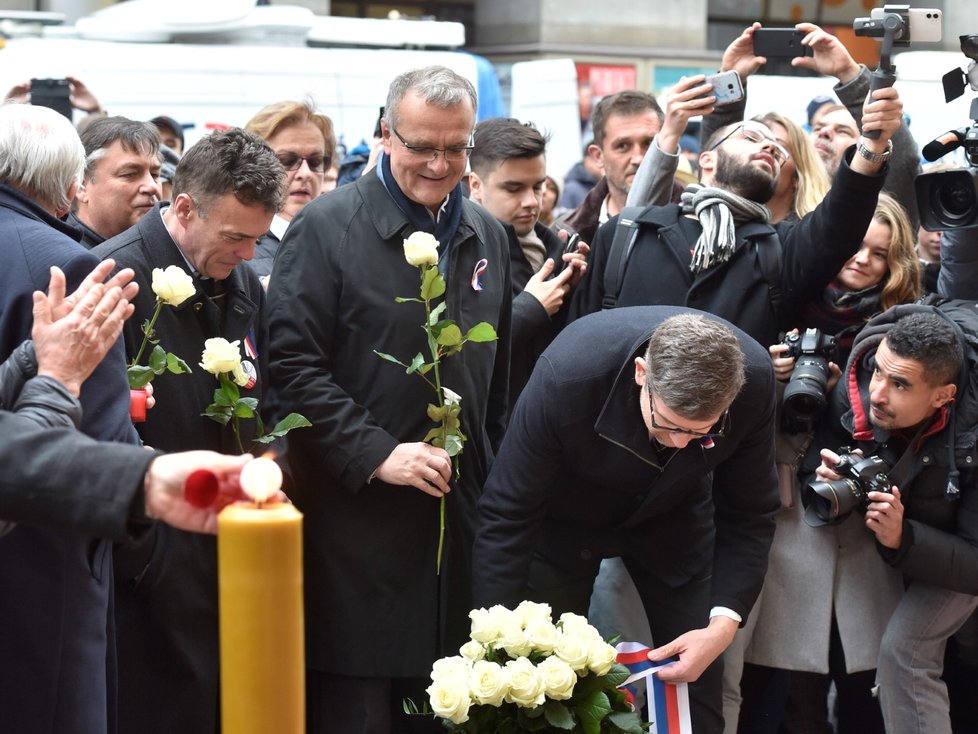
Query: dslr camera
x: 829, y: 503
x: 804, y: 397
x: 949, y: 199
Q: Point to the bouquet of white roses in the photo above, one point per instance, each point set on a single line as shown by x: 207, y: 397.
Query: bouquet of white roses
x: 522, y: 672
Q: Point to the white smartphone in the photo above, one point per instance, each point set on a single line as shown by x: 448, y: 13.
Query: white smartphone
x: 727, y: 87
x: 925, y: 23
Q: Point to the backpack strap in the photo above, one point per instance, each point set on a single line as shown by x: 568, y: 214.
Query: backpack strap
x: 626, y: 232
x: 768, y: 248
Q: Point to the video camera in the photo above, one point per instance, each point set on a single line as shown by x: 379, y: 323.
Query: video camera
x: 949, y: 199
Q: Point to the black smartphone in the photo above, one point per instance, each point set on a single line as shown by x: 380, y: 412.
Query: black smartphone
x: 780, y: 43
x: 572, y: 241
x: 53, y: 93
x: 378, y: 130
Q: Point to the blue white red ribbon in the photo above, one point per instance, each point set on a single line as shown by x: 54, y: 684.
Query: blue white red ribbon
x: 668, y: 702
x: 480, y: 268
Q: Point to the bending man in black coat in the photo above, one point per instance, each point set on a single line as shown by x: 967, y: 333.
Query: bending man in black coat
x: 657, y: 448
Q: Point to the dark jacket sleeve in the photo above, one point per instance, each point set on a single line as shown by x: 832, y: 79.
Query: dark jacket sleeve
x: 589, y: 293
x: 15, y: 371
x: 56, y: 477
x: 958, y: 277
x: 513, y: 503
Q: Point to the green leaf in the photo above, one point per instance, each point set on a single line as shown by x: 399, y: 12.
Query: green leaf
x: 437, y: 412
x: 292, y: 420
x: 558, y: 715
x: 627, y: 721
x: 416, y: 363
x: 434, y: 433
x: 591, y: 710
x: 481, y: 332
x: 157, y: 360
x: 176, y: 365
x: 453, y: 445
x: 390, y: 358
x: 218, y: 414
x: 436, y: 313
x: 222, y: 399
x: 139, y: 376
x: 245, y: 407
x: 617, y: 675
x: 450, y: 336
x: 433, y: 285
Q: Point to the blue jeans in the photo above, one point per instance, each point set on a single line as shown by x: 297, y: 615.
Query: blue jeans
x: 912, y: 695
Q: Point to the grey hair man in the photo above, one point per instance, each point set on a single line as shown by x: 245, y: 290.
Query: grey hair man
x: 664, y: 458
x: 122, y: 177
x: 226, y: 189
x: 41, y: 164
x: 369, y: 486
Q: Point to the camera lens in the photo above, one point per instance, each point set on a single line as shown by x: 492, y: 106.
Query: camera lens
x: 955, y: 200
x: 804, y: 396
x: 830, y: 502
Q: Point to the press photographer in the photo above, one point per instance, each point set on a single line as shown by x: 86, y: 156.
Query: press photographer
x: 906, y: 402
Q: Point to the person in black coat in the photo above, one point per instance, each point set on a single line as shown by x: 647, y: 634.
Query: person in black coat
x: 509, y: 171
x: 226, y: 189
x: 52, y: 575
x: 657, y: 448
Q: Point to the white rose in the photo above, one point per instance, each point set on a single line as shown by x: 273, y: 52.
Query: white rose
x: 220, y: 355
x: 451, y: 397
x: 513, y: 638
x: 601, y: 656
x: 488, y: 683
x: 453, y: 667
x: 421, y: 249
x: 239, y: 376
x: 173, y: 286
x: 530, y: 610
x: 473, y: 651
x: 542, y: 634
x: 575, y: 624
x: 559, y: 678
x: 573, y: 650
x: 450, y: 699
x: 485, y: 625
x: 526, y: 687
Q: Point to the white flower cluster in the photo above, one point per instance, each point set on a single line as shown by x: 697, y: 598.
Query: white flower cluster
x: 571, y: 648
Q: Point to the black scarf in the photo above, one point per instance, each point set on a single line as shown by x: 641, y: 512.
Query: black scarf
x: 449, y: 215
x: 842, y: 312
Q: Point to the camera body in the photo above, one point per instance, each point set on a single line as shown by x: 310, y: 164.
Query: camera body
x: 831, y: 502
x: 805, y: 395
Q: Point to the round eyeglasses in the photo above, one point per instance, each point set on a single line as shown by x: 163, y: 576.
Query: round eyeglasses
x: 755, y: 132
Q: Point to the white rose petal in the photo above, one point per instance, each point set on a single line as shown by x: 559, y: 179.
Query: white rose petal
x: 173, y: 286
x: 421, y: 250
x: 451, y: 397
x: 488, y: 683
x: 541, y: 634
x: 473, y: 651
x: 559, y: 678
x: 526, y: 686
x: 573, y: 650
x: 513, y: 639
x: 575, y: 624
x: 454, y: 667
x: 450, y: 699
x: 220, y: 355
x: 485, y: 626
x: 601, y: 656
x: 530, y: 610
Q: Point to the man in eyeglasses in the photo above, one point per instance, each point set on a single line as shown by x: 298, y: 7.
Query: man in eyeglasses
x: 226, y: 188
x: 377, y: 611
x: 717, y: 250
x: 657, y: 448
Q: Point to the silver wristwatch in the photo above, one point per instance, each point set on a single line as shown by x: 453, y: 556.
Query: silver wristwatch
x: 875, y: 157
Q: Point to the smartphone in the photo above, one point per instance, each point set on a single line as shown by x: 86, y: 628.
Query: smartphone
x: 53, y: 93
x: 572, y: 242
x: 727, y: 87
x: 924, y: 23
x: 780, y: 43
x: 378, y: 130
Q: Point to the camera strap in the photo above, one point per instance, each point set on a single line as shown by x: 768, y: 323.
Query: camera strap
x: 901, y: 469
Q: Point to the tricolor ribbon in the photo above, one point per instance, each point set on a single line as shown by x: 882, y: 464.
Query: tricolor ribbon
x: 480, y: 268
x: 668, y: 702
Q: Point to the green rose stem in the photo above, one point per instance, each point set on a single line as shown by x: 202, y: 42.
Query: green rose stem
x: 148, y: 330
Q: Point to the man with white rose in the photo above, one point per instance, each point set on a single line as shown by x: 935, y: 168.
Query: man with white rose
x: 664, y: 458
x: 226, y: 189
x: 377, y: 610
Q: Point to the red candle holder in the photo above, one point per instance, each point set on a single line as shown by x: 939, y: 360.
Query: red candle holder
x: 203, y: 489
x: 137, y: 405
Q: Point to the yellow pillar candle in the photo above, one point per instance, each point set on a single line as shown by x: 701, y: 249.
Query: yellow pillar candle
x: 261, y: 618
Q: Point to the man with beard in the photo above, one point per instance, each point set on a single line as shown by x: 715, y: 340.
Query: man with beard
x: 716, y: 251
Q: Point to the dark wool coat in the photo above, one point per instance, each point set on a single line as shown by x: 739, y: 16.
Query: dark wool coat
x: 166, y: 586
x: 374, y: 605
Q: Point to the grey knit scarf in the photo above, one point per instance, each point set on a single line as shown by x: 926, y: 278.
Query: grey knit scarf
x: 719, y: 212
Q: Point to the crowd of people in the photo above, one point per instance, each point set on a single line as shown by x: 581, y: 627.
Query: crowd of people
x: 628, y: 452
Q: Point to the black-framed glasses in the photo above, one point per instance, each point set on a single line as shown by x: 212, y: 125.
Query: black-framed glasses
x: 755, y: 132
x: 293, y: 161
x: 717, y: 430
x: 430, y: 153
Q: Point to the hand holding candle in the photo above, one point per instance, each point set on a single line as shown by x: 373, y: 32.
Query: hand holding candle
x: 260, y: 480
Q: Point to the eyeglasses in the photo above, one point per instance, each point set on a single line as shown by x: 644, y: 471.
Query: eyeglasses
x: 717, y: 430
x: 429, y: 153
x: 292, y: 162
x: 755, y: 132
